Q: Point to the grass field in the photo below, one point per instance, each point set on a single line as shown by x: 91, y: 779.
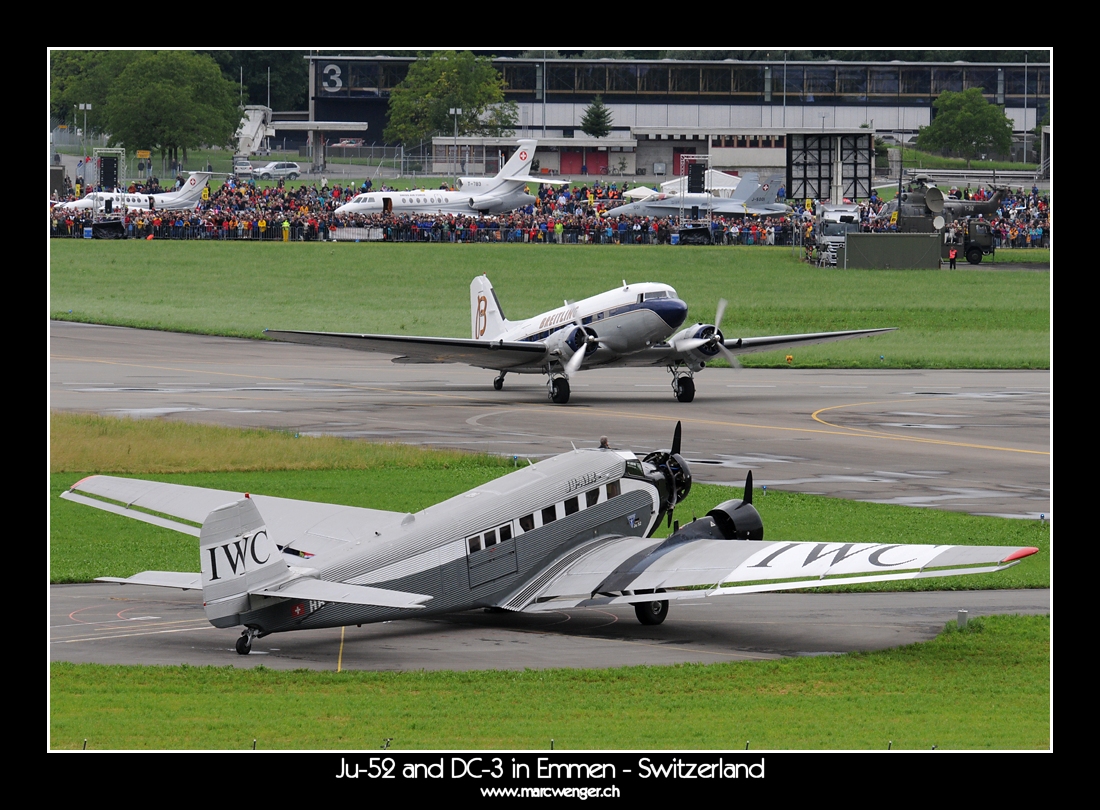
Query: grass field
x: 987, y: 687
x: 960, y: 319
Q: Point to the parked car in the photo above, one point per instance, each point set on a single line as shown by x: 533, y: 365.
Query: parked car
x: 242, y: 169
x: 274, y: 170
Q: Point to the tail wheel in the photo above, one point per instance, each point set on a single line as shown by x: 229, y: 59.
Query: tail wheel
x: 244, y: 644
x: 651, y: 613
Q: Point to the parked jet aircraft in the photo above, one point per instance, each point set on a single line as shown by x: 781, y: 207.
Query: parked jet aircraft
x: 748, y: 198
x: 186, y: 198
x: 478, y: 195
x: 571, y: 531
x: 630, y: 326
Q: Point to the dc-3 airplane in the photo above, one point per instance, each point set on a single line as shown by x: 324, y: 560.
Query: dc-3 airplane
x: 186, y: 198
x: 478, y: 195
x: 749, y: 198
x: 572, y: 531
x: 634, y: 325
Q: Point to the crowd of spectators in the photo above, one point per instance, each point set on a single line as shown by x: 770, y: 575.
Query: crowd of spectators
x: 581, y: 214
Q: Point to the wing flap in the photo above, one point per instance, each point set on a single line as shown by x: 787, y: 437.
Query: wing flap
x: 495, y: 354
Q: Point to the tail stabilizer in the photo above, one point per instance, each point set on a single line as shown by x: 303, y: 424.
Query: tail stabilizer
x: 518, y: 166
x: 746, y: 188
x: 487, y: 321
x: 237, y: 556
x: 767, y: 193
x: 191, y: 191
x: 516, y: 170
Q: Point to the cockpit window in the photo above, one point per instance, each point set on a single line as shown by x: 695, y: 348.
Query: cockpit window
x: 634, y: 468
x: 659, y: 294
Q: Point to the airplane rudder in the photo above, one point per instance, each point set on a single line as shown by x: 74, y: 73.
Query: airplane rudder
x: 236, y: 553
x: 486, y: 319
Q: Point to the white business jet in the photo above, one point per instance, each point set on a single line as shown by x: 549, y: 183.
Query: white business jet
x: 633, y: 325
x: 478, y: 195
x: 185, y: 199
x: 571, y: 531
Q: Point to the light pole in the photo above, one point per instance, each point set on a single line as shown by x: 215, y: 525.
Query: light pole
x: 84, y: 139
x: 456, y: 111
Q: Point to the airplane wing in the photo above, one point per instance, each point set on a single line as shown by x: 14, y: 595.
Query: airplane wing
x: 630, y: 570
x: 497, y: 354
x: 662, y: 354
x: 307, y: 527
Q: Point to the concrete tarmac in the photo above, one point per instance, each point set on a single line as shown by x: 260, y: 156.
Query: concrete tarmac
x: 968, y: 441
x: 127, y: 624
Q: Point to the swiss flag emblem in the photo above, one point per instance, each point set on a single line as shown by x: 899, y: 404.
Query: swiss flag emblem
x: 523, y: 155
x: 299, y: 609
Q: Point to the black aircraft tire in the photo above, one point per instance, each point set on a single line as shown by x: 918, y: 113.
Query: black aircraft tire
x: 498, y: 383
x: 974, y: 255
x: 651, y: 613
x: 685, y: 389
x: 559, y: 391
x: 244, y: 645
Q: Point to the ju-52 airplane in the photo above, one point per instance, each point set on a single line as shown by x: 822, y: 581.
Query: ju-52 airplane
x: 634, y: 325
x: 572, y: 531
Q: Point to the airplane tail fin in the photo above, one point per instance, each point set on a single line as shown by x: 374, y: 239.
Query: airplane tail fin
x: 237, y: 556
x: 767, y: 193
x: 746, y: 188
x: 487, y: 321
x: 519, y: 164
x: 191, y: 191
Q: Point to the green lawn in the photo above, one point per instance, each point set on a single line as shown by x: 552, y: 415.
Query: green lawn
x: 961, y: 319
x: 985, y: 688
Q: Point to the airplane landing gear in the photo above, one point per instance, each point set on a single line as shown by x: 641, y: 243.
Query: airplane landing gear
x: 498, y: 382
x: 558, y: 390
x: 683, y: 386
x: 651, y: 613
x: 244, y: 643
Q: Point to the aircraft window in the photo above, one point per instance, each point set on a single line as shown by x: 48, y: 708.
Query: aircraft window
x: 591, y: 497
x: 640, y: 298
x: 549, y: 514
x: 613, y: 490
x: 506, y: 532
x: 474, y: 543
x: 490, y: 538
x: 572, y: 505
x: 659, y: 294
x: 527, y: 523
x: 635, y: 469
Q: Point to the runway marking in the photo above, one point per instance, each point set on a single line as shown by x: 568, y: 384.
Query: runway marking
x: 838, y: 430
x: 878, y: 434
x: 130, y: 635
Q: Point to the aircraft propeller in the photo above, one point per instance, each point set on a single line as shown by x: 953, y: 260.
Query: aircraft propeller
x: 575, y: 362
x: 713, y: 341
x: 675, y: 469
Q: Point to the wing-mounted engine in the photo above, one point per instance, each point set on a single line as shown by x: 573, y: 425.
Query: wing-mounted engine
x: 738, y: 519
x: 572, y: 345
x: 699, y: 344
x: 670, y: 473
